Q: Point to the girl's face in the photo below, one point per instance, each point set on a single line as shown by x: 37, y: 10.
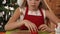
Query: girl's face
x: 33, y: 3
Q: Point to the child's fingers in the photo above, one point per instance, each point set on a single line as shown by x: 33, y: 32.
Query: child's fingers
x: 41, y: 26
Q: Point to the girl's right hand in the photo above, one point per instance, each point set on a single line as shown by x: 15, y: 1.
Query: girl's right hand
x: 31, y: 26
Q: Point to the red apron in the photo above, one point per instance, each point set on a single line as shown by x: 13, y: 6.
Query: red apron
x: 37, y: 20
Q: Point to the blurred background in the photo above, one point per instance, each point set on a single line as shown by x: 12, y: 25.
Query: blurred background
x: 7, y: 8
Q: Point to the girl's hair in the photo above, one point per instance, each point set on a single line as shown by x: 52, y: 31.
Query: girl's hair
x: 41, y: 5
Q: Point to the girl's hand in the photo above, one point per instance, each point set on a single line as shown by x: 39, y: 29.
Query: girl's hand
x: 44, y: 27
x: 31, y: 26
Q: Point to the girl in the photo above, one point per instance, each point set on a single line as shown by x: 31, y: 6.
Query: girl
x: 32, y: 17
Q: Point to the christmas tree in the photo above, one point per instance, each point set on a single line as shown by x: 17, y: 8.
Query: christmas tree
x: 7, y: 8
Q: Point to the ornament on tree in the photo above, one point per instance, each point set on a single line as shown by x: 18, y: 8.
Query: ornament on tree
x: 4, y: 2
x: 11, y: 8
x: 6, y: 7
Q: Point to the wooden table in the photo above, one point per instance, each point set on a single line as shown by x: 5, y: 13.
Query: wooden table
x: 23, y: 32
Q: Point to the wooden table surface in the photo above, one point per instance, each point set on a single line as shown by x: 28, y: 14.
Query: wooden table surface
x: 5, y: 33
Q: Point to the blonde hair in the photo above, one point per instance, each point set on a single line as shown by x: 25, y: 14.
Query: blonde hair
x: 41, y: 5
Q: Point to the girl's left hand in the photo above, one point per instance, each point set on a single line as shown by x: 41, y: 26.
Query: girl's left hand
x: 44, y: 27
